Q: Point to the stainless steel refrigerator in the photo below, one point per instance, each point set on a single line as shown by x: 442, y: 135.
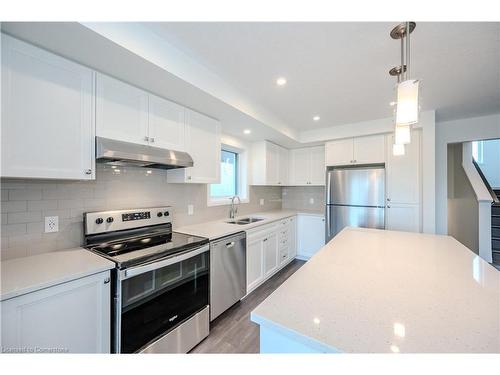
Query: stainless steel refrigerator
x: 355, y: 196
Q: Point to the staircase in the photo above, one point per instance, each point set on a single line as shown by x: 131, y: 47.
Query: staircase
x: 495, y: 229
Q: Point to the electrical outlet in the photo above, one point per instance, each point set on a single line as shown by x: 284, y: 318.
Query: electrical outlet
x: 190, y: 209
x: 51, y: 224
x: 261, y: 202
x: 311, y: 200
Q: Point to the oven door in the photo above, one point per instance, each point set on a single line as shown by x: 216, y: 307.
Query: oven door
x: 157, y: 297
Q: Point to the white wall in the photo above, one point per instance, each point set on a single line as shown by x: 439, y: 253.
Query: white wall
x: 463, y: 208
x: 491, y: 162
x: 470, y: 129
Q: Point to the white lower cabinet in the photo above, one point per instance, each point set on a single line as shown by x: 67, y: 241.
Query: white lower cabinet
x: 403, y: 217
x: 73, y: 317
x: 269, y: 248
x: 310, y: 235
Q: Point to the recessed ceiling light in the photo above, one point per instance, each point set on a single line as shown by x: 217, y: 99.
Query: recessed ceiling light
x: 316, y: 118
x: 247, y: 131
x: 281, y: 81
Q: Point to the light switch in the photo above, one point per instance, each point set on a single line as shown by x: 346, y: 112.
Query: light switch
x: 190, y: 209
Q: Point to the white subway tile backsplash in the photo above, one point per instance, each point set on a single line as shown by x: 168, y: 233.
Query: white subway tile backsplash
x: 14, y: 206
x: 42, y: 205
x: 13, y: 230
x: 23, y: 231
x: 25, y: 194
x: 24, y: 217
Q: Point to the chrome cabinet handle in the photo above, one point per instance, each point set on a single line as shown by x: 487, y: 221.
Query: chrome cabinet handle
x: 388, y: 206
x: 264, y: 240
x: 106, y: 280
x: 152, y: 140
x: 146, y: 138
x: 230, y: 244
x: 189, y: 177
x: 388, y: 199
x: 88, y: 171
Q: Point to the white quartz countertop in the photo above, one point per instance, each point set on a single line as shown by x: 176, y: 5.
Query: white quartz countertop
x: 220, y: 228
x: 24, y: 275
x: 372, y: 290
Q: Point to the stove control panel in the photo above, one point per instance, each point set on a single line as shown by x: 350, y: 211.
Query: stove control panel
x: 108, y: 221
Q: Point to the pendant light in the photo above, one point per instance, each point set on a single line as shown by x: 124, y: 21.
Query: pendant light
x: 407, y: 90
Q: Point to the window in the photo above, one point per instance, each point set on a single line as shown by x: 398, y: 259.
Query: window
x: 233, y: 174
x: 477, y: 151
x: 228, y: 186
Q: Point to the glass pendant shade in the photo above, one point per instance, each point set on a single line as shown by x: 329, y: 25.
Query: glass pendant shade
x: 402, y: 134
x: 407, y: 103
x: 398, y: 150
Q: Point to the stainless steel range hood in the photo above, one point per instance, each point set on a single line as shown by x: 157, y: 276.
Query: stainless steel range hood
x: 114, y: 152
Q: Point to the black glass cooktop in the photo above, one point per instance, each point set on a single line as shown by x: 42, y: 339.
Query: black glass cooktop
x: 136, y: 247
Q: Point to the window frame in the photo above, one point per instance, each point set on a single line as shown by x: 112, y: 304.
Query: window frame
x: 480, y: 148
x: 242, y: 188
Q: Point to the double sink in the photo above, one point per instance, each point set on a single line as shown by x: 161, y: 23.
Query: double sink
x: 245, y: 221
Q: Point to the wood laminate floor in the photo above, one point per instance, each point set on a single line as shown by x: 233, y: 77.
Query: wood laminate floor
x: 233, y: 332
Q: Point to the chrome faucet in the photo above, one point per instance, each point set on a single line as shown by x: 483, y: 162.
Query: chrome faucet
x: 234, y: 210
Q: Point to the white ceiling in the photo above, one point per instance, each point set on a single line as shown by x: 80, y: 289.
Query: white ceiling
x: 339, y: 71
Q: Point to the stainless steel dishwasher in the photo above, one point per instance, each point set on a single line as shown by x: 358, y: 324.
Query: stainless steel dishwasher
x: 227, y: 272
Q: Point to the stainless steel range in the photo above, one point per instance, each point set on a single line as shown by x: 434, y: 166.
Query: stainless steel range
x: 160, y: 283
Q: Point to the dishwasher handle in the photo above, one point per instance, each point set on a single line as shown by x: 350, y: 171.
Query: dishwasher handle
x: 230, y: 245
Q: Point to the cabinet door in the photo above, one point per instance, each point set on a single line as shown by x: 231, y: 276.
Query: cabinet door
x: 282, y: 166
x: 203, y: 144
x: 255, y: 272
x: 272, y: 164
x: 339, y: 152
x: 369, y: 150
x: 47, y: 114
x: 404, y: 217
x: 122, y: 111
x: 73, y: 316
x: 317, y: 166
x: 270, y: 248
x: 311, y: 234
x: 292, y: 237
x: 166, y: 124
x: 403, y: 172
x: 299, y: 166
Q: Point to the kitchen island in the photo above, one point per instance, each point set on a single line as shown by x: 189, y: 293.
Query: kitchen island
x: 376, y: 291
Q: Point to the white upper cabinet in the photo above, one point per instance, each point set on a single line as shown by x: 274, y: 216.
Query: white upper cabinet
x: 339, y: 152
x: 166, y: 124
x: 127, y: 113
x: 122, y: 111
x: 369, y: 150
x: 359, y: 150
x: 283, y: 157
x: 307, y: 166
x: 47, y: 114
x: 269, y: 164
x: 203, y: 143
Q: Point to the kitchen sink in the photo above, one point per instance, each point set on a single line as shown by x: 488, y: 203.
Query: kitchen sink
x: 246, y: 220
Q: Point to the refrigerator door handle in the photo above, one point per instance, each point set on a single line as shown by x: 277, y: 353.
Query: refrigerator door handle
x: 327, y: 225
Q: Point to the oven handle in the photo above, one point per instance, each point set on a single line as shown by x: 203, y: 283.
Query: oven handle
x: 131, y: 272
